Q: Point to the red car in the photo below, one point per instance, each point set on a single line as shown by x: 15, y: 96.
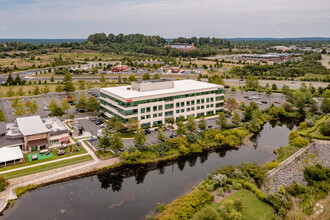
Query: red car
x: 277, y: 102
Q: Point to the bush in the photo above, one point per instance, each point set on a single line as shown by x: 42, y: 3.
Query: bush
x: 229, y: 210
x: 271, y: 165
x: 3, y: 183
x: 325, y: 128
x: 237, y: 186
x: 316, y: 173
x: 299, y: 142
x: 186, y: 206
x: 220, y: 180
x: 207, y: 213
x: 302, y: 126
x: 220, y: 192
x: 210, y: 188
x: 310, y: 123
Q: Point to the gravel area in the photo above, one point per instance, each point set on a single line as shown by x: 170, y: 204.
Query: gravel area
x: 317, y: 153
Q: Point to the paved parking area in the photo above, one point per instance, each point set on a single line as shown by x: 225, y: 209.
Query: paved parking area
x: 278, y: 97
x: 42, y: 101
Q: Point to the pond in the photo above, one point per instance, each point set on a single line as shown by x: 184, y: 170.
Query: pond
x: 112, y: 196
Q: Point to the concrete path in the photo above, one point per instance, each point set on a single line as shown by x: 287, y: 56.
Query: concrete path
x: 90, y: 151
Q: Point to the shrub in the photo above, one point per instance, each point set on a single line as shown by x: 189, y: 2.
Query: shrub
x: 325, y: 128
x: 227, y: 210
x: 220, y: 180
x: 186, y: 206
x: 316, y: 173
x: 207, y: 213
x: 237, y: 186
x: 299, y: 142
x: 3, y: 182
x: 271, y: 165
x: 302, y: 126
x: 210, y: 188
x: 310, y: 123
x: 238, y: 204
x: 220, y: 192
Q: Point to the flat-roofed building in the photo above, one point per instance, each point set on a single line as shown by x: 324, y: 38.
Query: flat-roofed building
x: 152, y: 101
x: 182, y: 46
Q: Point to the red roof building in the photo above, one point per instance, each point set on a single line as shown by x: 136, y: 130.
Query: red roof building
x: 183, y: 47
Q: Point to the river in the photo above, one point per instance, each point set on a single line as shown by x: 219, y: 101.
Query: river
x: 111, y: 196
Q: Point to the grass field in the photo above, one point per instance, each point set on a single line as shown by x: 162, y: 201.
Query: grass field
x: 314, y: 131
x: 104, y: 154
x: 50, y: 166
x: 55, y: 157
x: 253, y: 207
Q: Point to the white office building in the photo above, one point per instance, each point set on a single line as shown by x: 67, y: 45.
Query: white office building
x: 152, y: 101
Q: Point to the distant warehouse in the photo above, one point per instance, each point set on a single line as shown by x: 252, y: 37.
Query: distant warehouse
x: 183, y: 47
x: 269, y: 57
x: 152, y: 101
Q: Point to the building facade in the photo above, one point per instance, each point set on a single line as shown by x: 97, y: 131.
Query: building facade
x: 151, y: 102
x: 183, y: 47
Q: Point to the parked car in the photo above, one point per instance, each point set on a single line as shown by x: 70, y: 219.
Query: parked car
x: 72, y: 103
x: 227, y: 115
x: 93, y: 118
x: 60, y: 152
x: 46, y: 108
x: 172, y: 136
x: 99, y: 122
x: 198, y: 130
x: 147, y: 131
x: 210, y: 127
x: 103, y: 125
x: 91, y: 138
x: 81, y: 110
x: 277, y: 102
x: 264, y: 102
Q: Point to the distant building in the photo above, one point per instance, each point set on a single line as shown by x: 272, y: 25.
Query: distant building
x: 269, y: 57
x: 152, y: 101
x: 33, y: 133
x: 183, y: 47
x: 175, y: 70
x: 119, y: 68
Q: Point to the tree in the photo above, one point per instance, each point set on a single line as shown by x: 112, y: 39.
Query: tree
x: 36, y: 90
x: 300, y: 103
x: 68, y: 85
x: 232, y: 104
x: 116, y: 143
x: 221, y: 120
x: 160, y: 135
x: 115, y: 123
x: 274, y: 87
x: 10, y: 80
x: 132, y: 124
x: 52, y: 79
x: 202, y: 124
x: 10, y: 92
x: 59, y: 88
x: 191, y: 124
x: 325, y: 106
x: 105, y: 140
x: 156, y: 76
x: 82, y: 101
x: 207, y: 213
x: 314, y: 108
x: 82, y: 84
x: 3, y: 183
x: 19, y: 107
x: 46, y: 89
x: 103, y: 81
x: 54, y: 109
x: 170, y: 121
x: 146, y: 76
x: 140, y: 138
x: 32, y: 106
x: 251, y: 82
x: 20, y: 91
x: 2, y: 115
x: 65, y: 105
x: 236, y: 118
x: 92, y: 104
x: 180, y: 118
x: 73, y: 97
x: 132, y: 78
x: 181, y: 129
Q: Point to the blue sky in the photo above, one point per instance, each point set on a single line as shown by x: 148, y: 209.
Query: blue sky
x: 168, y: 18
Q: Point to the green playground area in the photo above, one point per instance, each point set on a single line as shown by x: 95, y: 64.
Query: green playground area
x: 40, y: 156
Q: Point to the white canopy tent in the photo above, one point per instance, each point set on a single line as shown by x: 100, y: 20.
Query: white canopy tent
x: 8, y: 154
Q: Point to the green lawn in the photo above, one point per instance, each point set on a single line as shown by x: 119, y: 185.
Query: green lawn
x: 40, y: 156
x: 104, y: 154
x: 253, y: 207
x: 314, y: 131
x: 55, y: 157
x: 45, y: 167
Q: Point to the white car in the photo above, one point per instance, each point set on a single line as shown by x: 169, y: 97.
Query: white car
x: 103, y: 125
x: 46, y: 108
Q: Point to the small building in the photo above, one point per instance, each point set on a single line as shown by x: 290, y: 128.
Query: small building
x: 33, y: 133
x: 10, y: 155
x: 269, y: 57
x: 119, y: 68
x: 183, y: 47
x: 175, y: 70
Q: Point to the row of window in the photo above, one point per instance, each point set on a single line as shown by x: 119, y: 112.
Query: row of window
x: 166, y: 99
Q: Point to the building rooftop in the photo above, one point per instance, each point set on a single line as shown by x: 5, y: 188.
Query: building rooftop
x: 126, y: 92
x: 31, y: 125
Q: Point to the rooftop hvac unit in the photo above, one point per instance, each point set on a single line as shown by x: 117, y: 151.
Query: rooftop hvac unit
x: 128, y: 88
x: 49, y: 126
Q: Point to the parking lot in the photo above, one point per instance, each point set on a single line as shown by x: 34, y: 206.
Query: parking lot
x: 42, y: 101
x: 252, y: 96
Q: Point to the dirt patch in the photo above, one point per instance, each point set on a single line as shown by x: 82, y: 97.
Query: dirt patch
x: 220, y: 198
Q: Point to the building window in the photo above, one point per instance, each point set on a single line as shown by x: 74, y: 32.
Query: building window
x: 212, y: 105
x: 207, y: 100
x: 160, y: 114
x: 212, y: 99
x: 193, y: 102
x: 160, y: 107
x: 193, y: 109
x: 155, y: 108
x: 168, y: 106
x: 202, y: 101
x: 177, y: 105
x: 143, y: 117
x: 177, y: 111
x: 148, y: 116
x: 169, y: 113
x: 188, y: 109
x: 182, y: 104
x: 198, y: 107
x: 182, y: 110
x: 143, y: 110
x: 198, y: 101
x: 202, y: 107
x: 148, y: 109
x: 188, y: 103
x: 154, y: 115
x: 207, y: 106
x: 219, y: 104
